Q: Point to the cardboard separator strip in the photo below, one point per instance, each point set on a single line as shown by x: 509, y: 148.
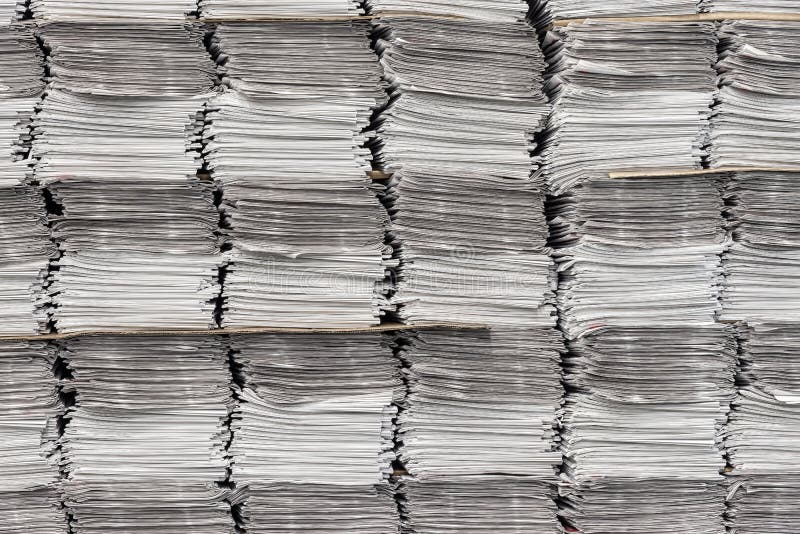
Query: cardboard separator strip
x: 651, y: 173
x: 690, y: 17
x: 162, y: 332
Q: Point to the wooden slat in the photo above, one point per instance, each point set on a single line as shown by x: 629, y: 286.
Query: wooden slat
x: 690, y: 17
x: 653, y: 173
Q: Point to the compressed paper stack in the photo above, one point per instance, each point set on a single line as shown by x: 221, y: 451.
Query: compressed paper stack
x: 29, y: 493
x: 458, y: 136
x: 650, y: 374
x: 764, y: 505
x: 640, y: 426
x: 475, y: 504
x: 621, y: 266
x: 25, y: 246
x: 144, y: 446
x: 89, y: 58
x: 762, y: 433
x: 761, y: 436
x: 546, y: 11
x: 313, y: 433
x: 286, y: 146
x: 627, y: 95
x: 119, y: 153
x: 753, y: 6
x: 651, y: 505
x: 497, y: 10
x: 276, y: 9
x: 480, y: 403
x: 769, y: 358
x: 112, y: 10
x: 476, y: 430
x: 761, y: 267
x: 758, y: 67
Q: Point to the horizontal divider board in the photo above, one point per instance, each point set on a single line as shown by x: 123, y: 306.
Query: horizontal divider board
x: 379, y: 175
x: 690, y: 17
x: 649, y: 173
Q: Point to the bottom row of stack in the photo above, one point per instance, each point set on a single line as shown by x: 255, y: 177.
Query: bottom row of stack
x: 437, y: 431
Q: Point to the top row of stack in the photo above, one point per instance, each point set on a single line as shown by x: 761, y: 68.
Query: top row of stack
x: 57, y: 10
x: 182, y: 176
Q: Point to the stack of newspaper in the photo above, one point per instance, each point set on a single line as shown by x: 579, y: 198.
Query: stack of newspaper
x: 662, y: 390
x: 761, y: 267
x: 98, y: 58
x: 640, y: 429
x: 285, y: 143
x: 649, y: 505
x: 628, y: 95
x: 457, y: 137
x: 494, y: 10
x: 25, y: 245
x: 479, y: 504
x: 764, y: 504
x: 769, y: 357
x: 753, y: 6
x: 29, y: 411
x: 476, y: 430
x: 312, y: 433
x: 475, y: 406
x: 144, y: 445
x: 759, y: 77
x: 119, y: 154
x: 608, y: 244
x: 762, y: 435
x: 277, y: 9
x: 649, y: 374
x: 112, y: 10
x: 547, y: 10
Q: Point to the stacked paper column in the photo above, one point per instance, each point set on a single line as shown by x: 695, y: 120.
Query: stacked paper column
x: 312, y: 433
x: 754, y: 126
x: 117, y: 139
x: 476, y: 428
x: 25, y: 246
x: 627, y: 95
x: 762, y: 436
x: 649, y: 372
x: 754, y: 122
x: 458, y: 135
x: 144, y: 446
x: 475, y: 431
x: 29, y: 409
x: 285, y: 142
